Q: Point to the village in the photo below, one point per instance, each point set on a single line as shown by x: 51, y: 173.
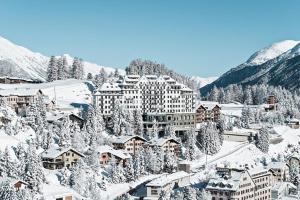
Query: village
x: 148, y: 130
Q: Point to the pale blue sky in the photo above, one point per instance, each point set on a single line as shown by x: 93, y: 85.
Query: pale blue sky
x: 203, y: 38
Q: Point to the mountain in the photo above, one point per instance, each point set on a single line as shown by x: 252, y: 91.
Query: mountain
x: 203, y: 81
x: 278, y: 65
x: 18, y: 61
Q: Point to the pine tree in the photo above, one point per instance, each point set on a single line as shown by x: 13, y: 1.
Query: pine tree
x: 33, y: 173
x: 52, y: 69
x: 78, y: 177
x: 189, y: 193
x: 9, y: 167
x: 209, y: 139
x: 190, y: 153
x: 170, y: 163
x: 262, y: 142
x: 164, y: 195
x: 137, y: 122
x: 89, y: 76
x: 129, y: 171
x: 294, y: 173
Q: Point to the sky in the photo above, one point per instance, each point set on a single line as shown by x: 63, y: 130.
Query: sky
x: 193, y: 37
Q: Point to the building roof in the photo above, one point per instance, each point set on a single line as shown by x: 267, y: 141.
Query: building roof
x: 54, y: 152
x: 124, y: 138
x: 228, y: 182
x: 11, y: 181
x: 280, y: 186
x: 118, y: 153
x: 19, y: 92
x: 167, y: 178
x: 161, y: 141
x: 276, y: 165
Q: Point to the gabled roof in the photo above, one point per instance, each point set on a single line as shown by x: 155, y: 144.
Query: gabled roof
x: 124, y: 138
x: 11, y: 181
x: 54, y: 152
x: 118, y: 153
x: 161, y: 141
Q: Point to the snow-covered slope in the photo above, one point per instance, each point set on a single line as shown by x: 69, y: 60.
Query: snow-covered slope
x: 271, y: 52
x: 18, y: 61
x: 203, y: 81
x: 276, y: 65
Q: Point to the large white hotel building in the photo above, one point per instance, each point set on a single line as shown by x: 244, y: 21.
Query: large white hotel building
x: 160, y: 97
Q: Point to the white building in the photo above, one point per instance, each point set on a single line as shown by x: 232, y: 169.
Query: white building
x: 150, y: 94
x: 167, y: 183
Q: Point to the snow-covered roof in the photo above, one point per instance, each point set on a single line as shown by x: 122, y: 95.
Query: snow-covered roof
x: 54, y: 152
x: 124, y: 138
x: 52, y: 117
x: 161, y: 141
x: 19, y: 92
x: 110, y: 87
x: 277, y: 165
x: 229, y: 182
x: 51, y: 191
x: 118, y: 153
x: 280, y: 186
x: 257, y: 171
x: 11, y: 181
x: 209, y: 105
x: 293, y: 120
x: 167, y: 178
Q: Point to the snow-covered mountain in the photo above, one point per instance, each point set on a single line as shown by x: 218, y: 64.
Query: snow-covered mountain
x: 18, y: 61
x: 203, y: 81
x: 278, y: 64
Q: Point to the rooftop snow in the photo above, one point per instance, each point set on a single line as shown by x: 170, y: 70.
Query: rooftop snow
x: 168, y: 178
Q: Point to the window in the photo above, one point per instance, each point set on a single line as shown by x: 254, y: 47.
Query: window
x: 154, y: 192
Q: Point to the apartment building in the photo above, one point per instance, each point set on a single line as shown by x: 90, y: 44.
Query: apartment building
x: 130, y: 143
x: 231, y: 184
x: 263, y: 179
x: 57, y: 157
x: 208, y: 111
x: 20, y: 98
x: 169, y: 145
x: 281, y: 171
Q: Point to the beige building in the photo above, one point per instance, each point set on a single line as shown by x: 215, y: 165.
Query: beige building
x: 167, y: 144
x: 20, y: 98
x: 231, y: 184
x: 130, y: 143
x: 17, y: 184
x: 263, y: 179
x: 57, y: 157
x: 281, y: 171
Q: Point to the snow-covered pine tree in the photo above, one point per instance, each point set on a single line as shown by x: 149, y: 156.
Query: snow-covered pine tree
x: 52, y: 69
x: 164, y: 195
x: 78, y: 177
x: 170, y: 163
x: 81, y: 69
x: 75, y: 71
x: 189, y: 193
x: 137, y: 122
x: 208, y: 139
x: 9, y: 167
x: 77, y: 140
x: 190, y: 153
x: 262, y: 142
x: 34, y: 173
x: 245, y: 117
x: 129, y: 171
x: 89, y: 76
x: 294, y: 174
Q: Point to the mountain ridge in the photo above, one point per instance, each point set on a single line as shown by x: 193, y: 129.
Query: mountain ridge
x: 18, y: 61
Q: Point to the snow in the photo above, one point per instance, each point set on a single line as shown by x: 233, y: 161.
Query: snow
x: 54, y: 152
x: 34, y: 65
x: 168, y: 178
x: 271, y: 52
x: 203, y: 81
x: 65, y: 92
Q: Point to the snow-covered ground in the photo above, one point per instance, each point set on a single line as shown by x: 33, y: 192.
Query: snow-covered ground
x: 65, y: 92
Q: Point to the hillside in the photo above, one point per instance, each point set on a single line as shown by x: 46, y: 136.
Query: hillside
x: 18, y: 61
x: 278, y: 65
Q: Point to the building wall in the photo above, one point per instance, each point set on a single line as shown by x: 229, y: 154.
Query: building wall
x: 132, y: 146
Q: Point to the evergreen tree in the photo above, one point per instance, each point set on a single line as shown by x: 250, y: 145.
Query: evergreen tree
x: 262, y: 142
x: 209, y: 139
x: 33, y: 173
x: 52, y: 71
x: 137, y: 122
